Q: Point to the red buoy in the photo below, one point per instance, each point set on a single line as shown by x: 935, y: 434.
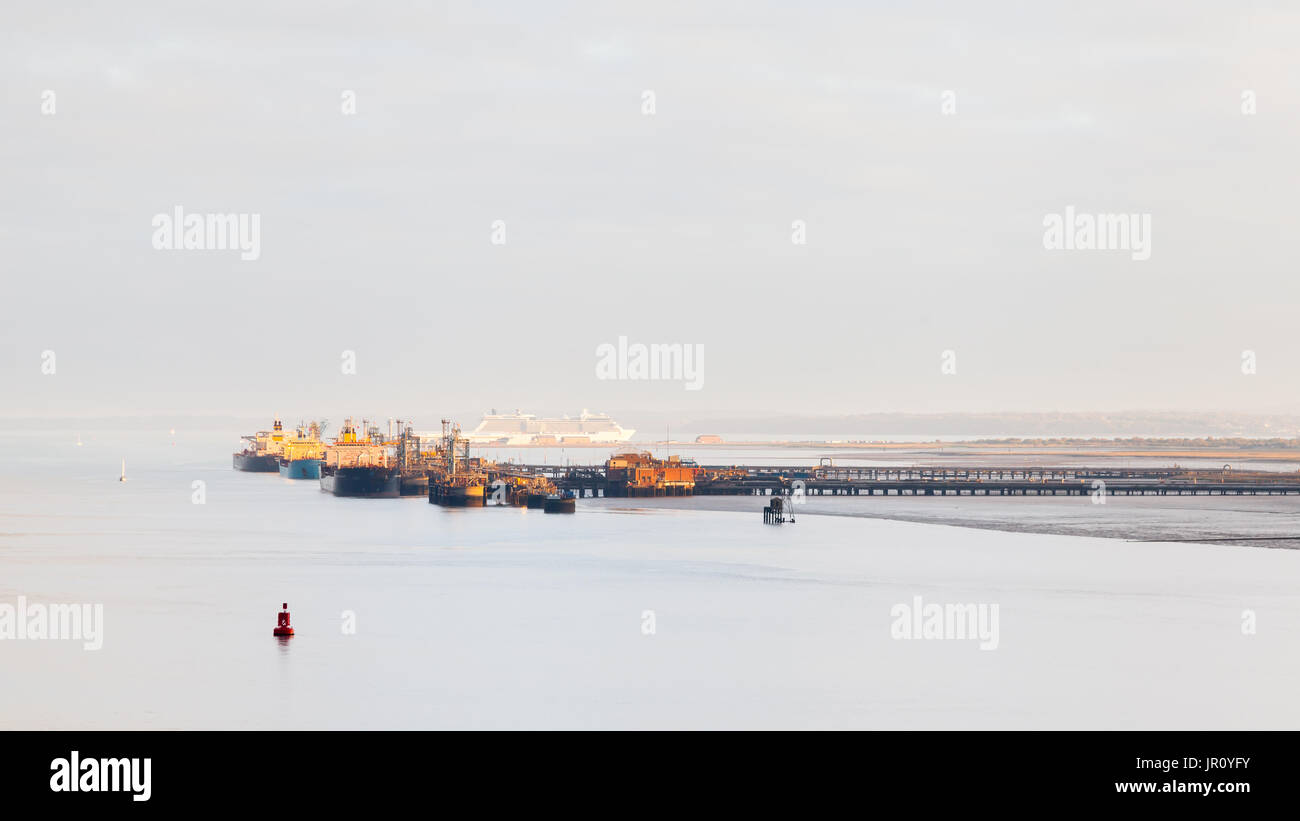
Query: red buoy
x: 282, y: 627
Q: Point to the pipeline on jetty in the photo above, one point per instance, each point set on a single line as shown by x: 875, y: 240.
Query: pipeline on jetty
x: 631, y: 475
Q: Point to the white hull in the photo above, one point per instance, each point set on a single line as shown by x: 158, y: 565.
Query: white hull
x: 527, y: 429
x: 623, y: 435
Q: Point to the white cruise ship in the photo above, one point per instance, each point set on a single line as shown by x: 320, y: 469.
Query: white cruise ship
x: 526, y: 429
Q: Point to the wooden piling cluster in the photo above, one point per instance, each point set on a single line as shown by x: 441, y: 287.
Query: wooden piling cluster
x: 774, y: 513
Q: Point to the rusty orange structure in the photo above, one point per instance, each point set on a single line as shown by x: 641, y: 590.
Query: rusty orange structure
x: 640, y: 474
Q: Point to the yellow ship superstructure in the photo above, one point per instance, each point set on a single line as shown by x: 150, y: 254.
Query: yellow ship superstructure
x: 302, y: 454
x: 304, y: 444
x: 353, y: 448
x: 262, y: 453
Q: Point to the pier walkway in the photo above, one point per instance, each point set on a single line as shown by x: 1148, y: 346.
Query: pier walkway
x: 832, y: 480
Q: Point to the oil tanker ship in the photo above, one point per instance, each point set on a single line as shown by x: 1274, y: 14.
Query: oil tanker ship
x: 371, y: 481
x: 301, y: 456
x: 356, y: 466
x: 262, y: 453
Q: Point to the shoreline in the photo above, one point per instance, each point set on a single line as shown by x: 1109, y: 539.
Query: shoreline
x: 1258, y: 522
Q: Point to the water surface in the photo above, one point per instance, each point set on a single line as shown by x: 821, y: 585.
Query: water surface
x: 508, y: 618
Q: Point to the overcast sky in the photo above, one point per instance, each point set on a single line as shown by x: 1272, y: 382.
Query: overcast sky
x: 924, y: 229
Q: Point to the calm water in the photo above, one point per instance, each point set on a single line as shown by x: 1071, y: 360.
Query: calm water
x: 504, y: 618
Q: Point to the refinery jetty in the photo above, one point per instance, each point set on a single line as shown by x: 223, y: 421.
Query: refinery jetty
x: 363, y: 461
x: 639, y: 474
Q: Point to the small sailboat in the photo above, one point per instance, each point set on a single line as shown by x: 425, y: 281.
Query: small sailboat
x: 122, y: 478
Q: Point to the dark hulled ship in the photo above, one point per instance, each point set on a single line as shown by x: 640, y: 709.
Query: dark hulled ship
x: 255, y: 462
x: 359, y: 466
x: 372, y: 481
x: 262, y: 453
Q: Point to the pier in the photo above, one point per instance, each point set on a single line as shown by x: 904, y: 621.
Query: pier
x: 832, y: 480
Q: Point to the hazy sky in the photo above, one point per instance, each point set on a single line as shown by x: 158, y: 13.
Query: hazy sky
x: 924, y: 229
